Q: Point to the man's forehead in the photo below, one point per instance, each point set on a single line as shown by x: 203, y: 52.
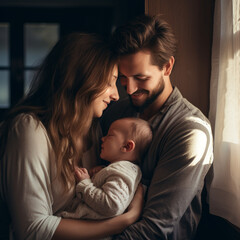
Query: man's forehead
x: 135, y: 57
x: 134, y: 64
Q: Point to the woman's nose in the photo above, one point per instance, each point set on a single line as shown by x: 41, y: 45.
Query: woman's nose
x: 115, y: 95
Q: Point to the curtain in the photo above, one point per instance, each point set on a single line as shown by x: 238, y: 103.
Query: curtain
x: 224, y: 114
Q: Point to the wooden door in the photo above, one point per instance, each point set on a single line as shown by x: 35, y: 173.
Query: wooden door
x: 192, y: 23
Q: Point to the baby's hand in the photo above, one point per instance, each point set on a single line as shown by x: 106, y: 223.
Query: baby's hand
x: 81, y: 174
x: 95, y: 170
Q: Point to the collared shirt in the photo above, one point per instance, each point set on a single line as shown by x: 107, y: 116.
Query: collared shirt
x: 174, y: 169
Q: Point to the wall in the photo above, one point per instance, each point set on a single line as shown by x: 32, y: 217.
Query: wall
x: 192, y: 22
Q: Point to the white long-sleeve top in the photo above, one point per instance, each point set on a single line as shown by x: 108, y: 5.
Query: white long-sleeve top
x: 28, y: 184
x: 108, y: 193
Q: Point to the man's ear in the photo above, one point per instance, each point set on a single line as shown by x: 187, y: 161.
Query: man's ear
x: 129, y: 146
x: 169, y: 66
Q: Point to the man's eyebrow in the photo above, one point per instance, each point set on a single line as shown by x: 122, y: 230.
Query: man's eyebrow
x: 136, y: 75
x: 140, y: 75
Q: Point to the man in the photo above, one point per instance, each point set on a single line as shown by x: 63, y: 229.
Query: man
x: 181, y: 151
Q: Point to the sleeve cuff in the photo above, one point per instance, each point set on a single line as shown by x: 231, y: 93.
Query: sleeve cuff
x: 81, y: 186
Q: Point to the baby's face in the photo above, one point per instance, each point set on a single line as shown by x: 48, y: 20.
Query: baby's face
x: 113, y: 142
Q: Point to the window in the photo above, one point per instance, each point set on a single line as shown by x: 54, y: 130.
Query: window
x: 39, y: 38
x: 28, y: 33
x: 4, y: 66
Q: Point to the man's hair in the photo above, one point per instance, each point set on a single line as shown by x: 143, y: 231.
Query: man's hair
x: 141, y: 133
x: 146, y: 33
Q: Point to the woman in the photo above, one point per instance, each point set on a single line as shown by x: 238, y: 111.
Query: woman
x: 50, y: 132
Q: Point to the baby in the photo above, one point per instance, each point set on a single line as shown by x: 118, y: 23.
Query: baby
x: 111, y: 189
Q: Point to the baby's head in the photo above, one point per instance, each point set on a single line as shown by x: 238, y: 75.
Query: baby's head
x: 127, y: 139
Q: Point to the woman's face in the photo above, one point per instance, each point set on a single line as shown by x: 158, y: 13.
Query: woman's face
x: 109, y: 94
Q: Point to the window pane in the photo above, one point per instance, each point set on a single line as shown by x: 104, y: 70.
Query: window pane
x: 28, y: 77
x: 38, y: 41
x: 4, y: 47
x: 4, y: 89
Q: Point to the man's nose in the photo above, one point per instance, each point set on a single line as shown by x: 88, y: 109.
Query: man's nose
x: 131, y: 86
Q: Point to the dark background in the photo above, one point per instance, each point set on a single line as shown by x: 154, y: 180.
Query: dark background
x: 99, y: 16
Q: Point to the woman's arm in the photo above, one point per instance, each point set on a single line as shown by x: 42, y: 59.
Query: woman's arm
x: 27, y: 187
x: 78, y: 229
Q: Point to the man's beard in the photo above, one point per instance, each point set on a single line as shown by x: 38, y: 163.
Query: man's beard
x: 150, y: 98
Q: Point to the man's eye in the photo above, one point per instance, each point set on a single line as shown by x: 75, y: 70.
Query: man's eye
x: 142, y: 78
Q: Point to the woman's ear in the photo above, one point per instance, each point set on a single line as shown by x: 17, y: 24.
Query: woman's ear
x: 129, y: 146
x: 169, y: 66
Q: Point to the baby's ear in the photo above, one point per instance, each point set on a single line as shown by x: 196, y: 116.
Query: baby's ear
x: 129, y: 146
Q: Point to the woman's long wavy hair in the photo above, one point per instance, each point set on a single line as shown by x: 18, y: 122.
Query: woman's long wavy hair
x: 74, y: 73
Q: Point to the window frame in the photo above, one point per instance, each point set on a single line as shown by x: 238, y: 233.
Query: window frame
x: 70, y: 19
